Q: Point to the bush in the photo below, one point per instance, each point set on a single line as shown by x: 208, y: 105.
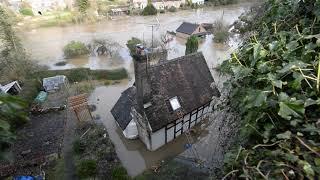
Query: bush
x: 220, y: 31
x: 223, y: 2
x: 83, y: 74
x: 192, y: 45
x: 83, y: 5
x: 87, y: 168
x: 119, y: 173
x: 26, y: 11
x: 78, y: 146
x: 75, y: 48
x: 172, y: 9
x: 161, y: 11
x: 131, y: 44
x: 149, y: 10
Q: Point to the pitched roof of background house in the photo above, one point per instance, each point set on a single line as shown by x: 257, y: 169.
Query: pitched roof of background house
x: 188, y: 78
x: 121, y: 110
x: 187, y: 28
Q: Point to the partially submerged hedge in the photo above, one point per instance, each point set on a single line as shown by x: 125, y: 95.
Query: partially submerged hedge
x: 83, y: 74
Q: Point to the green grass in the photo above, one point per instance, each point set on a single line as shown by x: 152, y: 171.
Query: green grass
x: 26, y: 12
x: 57, y: 172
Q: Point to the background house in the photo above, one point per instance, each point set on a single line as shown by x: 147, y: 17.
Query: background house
x: 186, y: 29
x: 199, y: 2
x: 158, y: 4
x: 171, y: 97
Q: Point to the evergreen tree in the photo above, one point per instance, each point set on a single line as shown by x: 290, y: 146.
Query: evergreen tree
x: 192, y: 45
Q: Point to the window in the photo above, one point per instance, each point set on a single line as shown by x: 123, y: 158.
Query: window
x: 175, y: 104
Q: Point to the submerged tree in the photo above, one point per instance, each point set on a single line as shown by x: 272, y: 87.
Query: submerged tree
x: 192, y: 45
x: 220, y: 31
x: 83, y: 5
x: 14, y: 62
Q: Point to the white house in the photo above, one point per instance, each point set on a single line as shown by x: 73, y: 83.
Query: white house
x: 41, y: 5
x: 122, y: 113
x: 170, y: 97
x: 199, y: 2
x: 158, y: 4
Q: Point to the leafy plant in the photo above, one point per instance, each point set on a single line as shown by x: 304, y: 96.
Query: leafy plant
x: 274, y: 89
x: 12, y: 116
x: 119, y: 173
x: 172, y: 9
x: 192, y: 45
x: 131, y: 44
x: 149, y: 10
x: 83, y: 5
x: 220, y: 31
x: 75, y: 48
x: 87, y: 168
x: 26, y: 11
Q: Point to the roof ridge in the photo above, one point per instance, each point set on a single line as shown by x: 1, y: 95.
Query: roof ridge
x: 178, y: 58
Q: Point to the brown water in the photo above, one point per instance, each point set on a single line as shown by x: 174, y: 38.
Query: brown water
x: 46, y: 45
x: 133, y: 154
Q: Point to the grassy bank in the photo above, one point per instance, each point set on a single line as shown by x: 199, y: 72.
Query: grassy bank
x: 32, y: 85
x: 85, y: 74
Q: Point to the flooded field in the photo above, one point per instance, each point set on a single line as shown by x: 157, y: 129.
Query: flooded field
x: 46, y: 44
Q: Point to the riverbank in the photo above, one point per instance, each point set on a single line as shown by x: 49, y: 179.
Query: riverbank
x: 85, y: 80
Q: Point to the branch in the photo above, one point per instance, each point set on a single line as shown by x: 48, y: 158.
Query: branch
x: 308, y: 147
x: 231, y: 172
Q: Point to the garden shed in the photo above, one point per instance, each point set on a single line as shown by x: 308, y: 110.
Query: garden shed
x: 12, y: 88
x: 52, y: 84
x: 186, y: 29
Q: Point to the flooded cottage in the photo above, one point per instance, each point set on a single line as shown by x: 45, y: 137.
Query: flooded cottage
x: 186, y: 29
x: 167, y: 99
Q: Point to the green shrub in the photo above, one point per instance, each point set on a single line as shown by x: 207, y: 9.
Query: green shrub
x: 172, y: 9
x: 119, y: 173
x: 78, y: 146
x: 83, y: 5
x: 149, y: 10
x: 131, y: 44
x: 220, y: 31
x: 86, y: 168
x: 192, y: 45
x: 26, y: 11
x: 84, y: 74
x: 223, y: 2
x: 75, y: 48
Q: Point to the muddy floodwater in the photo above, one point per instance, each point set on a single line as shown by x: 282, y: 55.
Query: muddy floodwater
x: 45, y: 46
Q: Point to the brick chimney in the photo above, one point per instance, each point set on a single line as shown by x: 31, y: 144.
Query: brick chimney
x: 142, y: 83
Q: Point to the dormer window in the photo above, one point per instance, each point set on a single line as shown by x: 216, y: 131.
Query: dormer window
x: 174, y: 102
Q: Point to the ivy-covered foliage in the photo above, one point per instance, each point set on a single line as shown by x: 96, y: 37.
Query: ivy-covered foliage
x: 275, y: 90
